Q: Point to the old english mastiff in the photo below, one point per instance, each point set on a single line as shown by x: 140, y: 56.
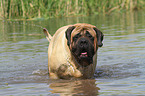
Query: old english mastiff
x: 72, y: 51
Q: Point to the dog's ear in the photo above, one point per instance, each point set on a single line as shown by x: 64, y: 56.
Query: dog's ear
x: 68, y: 34
x: 100, y: 37
x: 46, y: 33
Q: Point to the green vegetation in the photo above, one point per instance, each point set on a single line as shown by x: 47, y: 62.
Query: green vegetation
x: 28, y: 9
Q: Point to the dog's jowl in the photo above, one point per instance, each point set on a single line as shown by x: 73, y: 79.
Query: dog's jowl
x: 72, y: 51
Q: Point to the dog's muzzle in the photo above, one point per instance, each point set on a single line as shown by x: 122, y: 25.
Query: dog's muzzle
x: 83, y: 45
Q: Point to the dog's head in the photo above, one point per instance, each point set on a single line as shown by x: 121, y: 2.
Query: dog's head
x: 83, y: 41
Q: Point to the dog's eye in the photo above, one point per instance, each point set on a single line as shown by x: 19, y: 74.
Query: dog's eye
x: 89, y: 35
x: 76, y: 37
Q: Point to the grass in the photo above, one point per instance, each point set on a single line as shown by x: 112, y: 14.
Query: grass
x: 27, y: 9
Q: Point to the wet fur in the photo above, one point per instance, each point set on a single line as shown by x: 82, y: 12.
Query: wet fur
x: 64, y: 51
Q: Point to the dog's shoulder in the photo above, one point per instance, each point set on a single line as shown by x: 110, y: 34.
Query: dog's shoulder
x: 62, y: 29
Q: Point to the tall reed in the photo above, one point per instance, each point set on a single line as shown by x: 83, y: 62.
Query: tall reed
x: 55, y: 8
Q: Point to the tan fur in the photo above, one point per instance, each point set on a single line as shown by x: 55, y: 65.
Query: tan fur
x: 61, y: 63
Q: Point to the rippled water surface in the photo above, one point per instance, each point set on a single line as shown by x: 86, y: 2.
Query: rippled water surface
x: 121, y: 61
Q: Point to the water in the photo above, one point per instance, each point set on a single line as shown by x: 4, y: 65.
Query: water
x: 120, y: 69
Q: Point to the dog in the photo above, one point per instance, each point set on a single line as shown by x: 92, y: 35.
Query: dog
x: 72, y: 51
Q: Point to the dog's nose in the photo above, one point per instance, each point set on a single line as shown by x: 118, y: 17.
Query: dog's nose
x: 83, y: 42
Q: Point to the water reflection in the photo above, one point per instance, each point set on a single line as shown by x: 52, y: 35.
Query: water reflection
x: 75, y: 87
x: 112, y: 25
